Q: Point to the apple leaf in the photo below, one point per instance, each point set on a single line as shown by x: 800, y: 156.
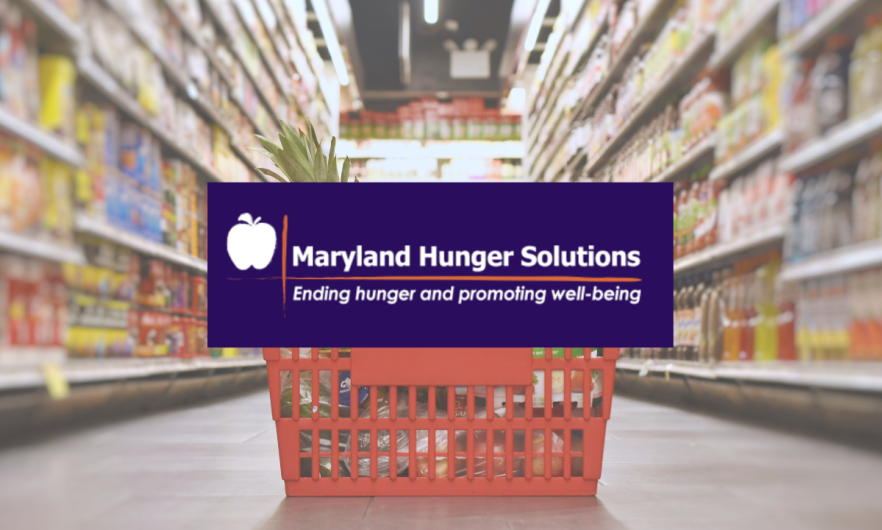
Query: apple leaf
x: 247, y: 218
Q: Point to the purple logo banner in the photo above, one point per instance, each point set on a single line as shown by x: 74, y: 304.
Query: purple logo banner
x: 427, y: 265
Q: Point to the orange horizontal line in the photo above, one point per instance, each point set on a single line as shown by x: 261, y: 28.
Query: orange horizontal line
x: 462, y: 278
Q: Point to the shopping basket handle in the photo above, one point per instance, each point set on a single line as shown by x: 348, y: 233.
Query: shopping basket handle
x: 441, y: 366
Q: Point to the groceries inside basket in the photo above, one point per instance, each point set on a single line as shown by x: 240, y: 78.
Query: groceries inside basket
x: 498, y: 408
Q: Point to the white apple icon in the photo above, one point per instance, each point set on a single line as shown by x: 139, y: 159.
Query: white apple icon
x: 251, y: 243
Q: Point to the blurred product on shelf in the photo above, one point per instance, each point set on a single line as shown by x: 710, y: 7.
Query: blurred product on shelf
x: 33, y: 303
x: 707, y: 213
x: 840, y: 317
x: 836, y: 208
x: 35, y: 193
x: 865, y: 69
x: 755, y: 105
x: 19, y: 63
x: 737, y: 17
x: 427, y: 169
x: 669, y: 136
x: 481, y: 169
x: 123, y: 306
x: 756, y: 201
x: 796, y: 14
x: 130, y: 184
x: 742, y: 313
x: 429, y: 119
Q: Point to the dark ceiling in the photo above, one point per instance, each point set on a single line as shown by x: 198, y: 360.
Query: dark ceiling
x: 376, y: 31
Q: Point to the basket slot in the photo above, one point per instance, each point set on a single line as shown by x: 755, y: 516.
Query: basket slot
x: 412, y: 463
x: 568, y: 394
x: 432, y: 398
x: 609, y: 376
x: 587, y: 388
x: 315, y: 455
x: 335, y: 452
x: 451, y: 402
x: 393, y: 448
x: 490, y: 442
x: 353, y: 454
x: 375, y: 442
x: 412, y: 404
x: 509, y: 453
x: 451, y: 454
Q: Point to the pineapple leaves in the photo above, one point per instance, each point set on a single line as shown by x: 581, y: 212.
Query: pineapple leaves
x: 299, y: 158
x: 344, y: 177
x: 273, y: 174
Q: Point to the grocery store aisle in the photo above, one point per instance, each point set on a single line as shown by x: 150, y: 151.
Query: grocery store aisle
x: 216, y: 466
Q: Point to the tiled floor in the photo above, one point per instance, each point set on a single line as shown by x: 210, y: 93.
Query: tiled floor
x: 216, y: 466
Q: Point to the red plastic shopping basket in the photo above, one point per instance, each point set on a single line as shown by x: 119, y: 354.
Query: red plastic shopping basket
x: 398, y: 425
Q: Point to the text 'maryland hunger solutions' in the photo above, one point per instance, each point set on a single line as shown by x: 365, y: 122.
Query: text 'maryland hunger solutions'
x: 477, y: 260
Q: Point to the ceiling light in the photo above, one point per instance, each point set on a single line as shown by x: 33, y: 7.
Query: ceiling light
x: 430, y: 11
x: 536, y: 24
x: 330, y: 34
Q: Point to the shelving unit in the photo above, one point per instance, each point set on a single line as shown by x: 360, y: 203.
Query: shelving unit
x: 47, y: 142
x: 822, y: 25
x: 56, y: 19
x: 837, y: 375
x: 727, y: 51
x: 682, y: 69
x: 723, y: 253
x: 677, y: 169
x: 95, y: 74
x: 91, y: 371
x: 430, y: 149
x: 750, y: 155
x: 95, y: 227
x: 843, y: 137
x: 40, y: 248
x: 840, y: 261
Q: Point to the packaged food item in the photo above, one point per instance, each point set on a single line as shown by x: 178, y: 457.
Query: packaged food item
x: 57, y: 83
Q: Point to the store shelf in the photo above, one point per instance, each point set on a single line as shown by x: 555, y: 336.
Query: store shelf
x: 820, y: 27
x: 648, y: 24
x: 841, y: 138
x: 86, y: 371
x: 840, y: 261
x: 18, y: 357
x: 94, y: 73
x: 431, y: 149
x: 727, y: 52
x: 557, y: 81
x: 682, y: 69
x: 85, y: 224
x: 172, y: 71
x: 703, y: 148
x: 35, y: 247
x: 51, y: 14
x: 853, y: 376
x: 751, y: 154
x: 46, y: 141
x: 234, y: 51
x: 722, y: 253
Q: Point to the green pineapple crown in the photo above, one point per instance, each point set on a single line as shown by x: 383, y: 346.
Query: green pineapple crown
x: 297, y: 161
